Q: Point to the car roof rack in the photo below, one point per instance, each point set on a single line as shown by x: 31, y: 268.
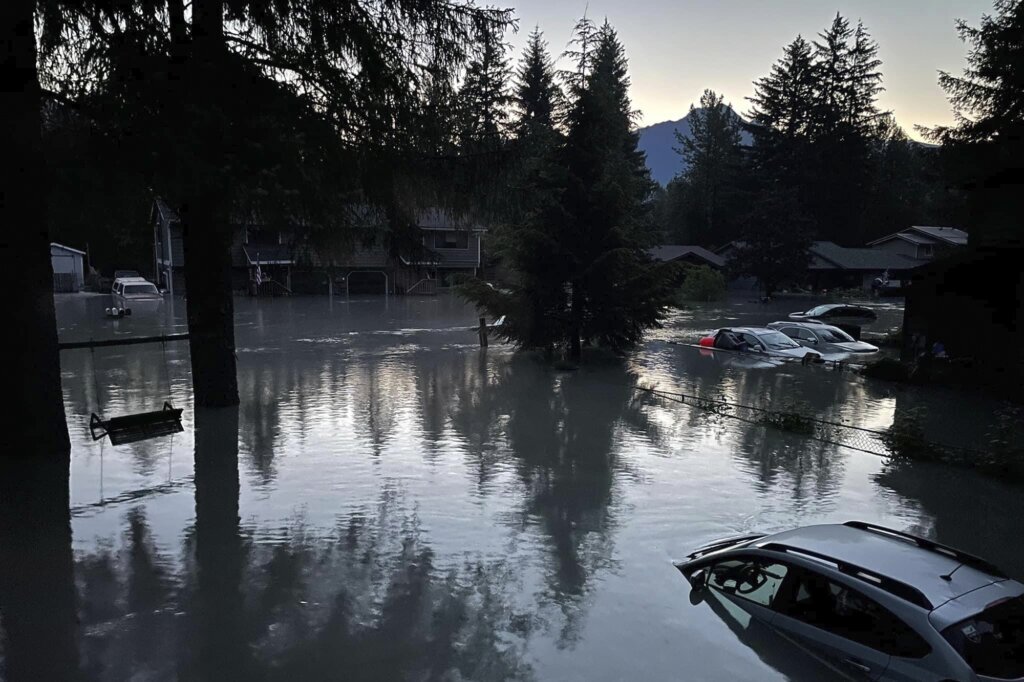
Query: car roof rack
x: 924, y: 543
x: 716, y: 545
x: 890, y: 585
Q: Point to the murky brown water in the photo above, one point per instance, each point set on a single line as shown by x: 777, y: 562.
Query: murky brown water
x: 412, y: 507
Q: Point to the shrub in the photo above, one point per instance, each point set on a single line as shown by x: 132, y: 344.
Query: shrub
x: 702, y: 284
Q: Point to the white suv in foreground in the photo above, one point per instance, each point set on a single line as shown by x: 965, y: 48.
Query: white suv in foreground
x: 873, y: 603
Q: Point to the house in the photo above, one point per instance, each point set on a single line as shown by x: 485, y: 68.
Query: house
x: 442, y: 247
x: 922, y: 243
x: 255, y: 248
x: 694, y: 255
x: 68, y: 268
x: 833, y: 266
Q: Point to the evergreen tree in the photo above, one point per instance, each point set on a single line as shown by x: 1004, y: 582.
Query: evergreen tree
x: 484, y: 98
x: 577, y: 248
x: 615, y: 293
x: 775, y: 241
x: 538, y: 99
x: 847, y: 82
x: 713, y: 156
x: 986, y: 146
x: 780, y: 119
x: 528, y: 242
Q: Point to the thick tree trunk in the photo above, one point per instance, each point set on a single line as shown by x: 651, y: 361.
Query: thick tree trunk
x: 38, y: 617
x: 575, y: 323
x: 206, y: 219
x: 220, y: 649
x: 33, y: 399
x: 210, y: 305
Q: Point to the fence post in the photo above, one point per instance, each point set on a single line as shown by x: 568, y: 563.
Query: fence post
x: 483, y: 332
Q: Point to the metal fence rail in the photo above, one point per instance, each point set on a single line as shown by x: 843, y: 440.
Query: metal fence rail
x: 881, y: 443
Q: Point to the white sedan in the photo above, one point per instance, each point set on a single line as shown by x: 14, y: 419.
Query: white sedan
x: 759, y: 340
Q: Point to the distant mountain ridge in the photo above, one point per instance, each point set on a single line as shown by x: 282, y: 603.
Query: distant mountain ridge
x: 658, y: 141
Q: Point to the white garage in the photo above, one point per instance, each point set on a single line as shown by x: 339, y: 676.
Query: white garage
x: 68, y: 268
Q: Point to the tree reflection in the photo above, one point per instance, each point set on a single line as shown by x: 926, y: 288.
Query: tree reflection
x: 560, y: 430
x: 38, y: 629
x: 365, y: 600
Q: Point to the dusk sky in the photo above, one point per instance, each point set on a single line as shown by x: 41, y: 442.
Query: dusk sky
x: 677, y: 48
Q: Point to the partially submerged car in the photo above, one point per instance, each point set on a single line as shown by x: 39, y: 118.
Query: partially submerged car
x: 128, y: 290
x: 759, y: 340
x: 873, y: 603
x: 822, y: 337
x: 837, y: 314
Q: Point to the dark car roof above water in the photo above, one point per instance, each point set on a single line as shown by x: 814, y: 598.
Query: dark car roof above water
x: 888, y: 556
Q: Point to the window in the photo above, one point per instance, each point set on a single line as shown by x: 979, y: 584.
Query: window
x: 451, y: 240
x: 992, y: 642
x: 777, y: 341
x: 835, y: 608
x: 753, y: 578
x: 140, y: 289
x: 752, y: 341
x: 834, y: 336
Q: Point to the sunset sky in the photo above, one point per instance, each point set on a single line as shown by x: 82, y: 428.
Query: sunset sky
x: 676, y: 48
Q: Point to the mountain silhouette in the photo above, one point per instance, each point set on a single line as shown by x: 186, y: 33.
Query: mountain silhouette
x: 658, y: 141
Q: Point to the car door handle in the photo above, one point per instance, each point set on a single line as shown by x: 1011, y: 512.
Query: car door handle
x: 857, y: 664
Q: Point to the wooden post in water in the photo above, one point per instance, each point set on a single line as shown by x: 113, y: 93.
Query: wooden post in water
x: 483, y: 332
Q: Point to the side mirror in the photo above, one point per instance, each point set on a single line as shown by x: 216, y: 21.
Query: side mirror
x: 813, y: 339
x: 698, y: 579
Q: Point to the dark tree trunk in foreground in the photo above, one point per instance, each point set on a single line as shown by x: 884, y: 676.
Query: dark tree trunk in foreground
x: 206, y: 219
x: 34, y: 403
x: 38, y: 619
x: 219, y: 648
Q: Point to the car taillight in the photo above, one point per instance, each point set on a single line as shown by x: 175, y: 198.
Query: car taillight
x: 708, y: 341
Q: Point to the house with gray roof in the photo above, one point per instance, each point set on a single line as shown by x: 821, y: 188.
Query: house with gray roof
x: 833, y: 266
x: 679, y: 253
x: 922, y: 242
x: 445, y: 245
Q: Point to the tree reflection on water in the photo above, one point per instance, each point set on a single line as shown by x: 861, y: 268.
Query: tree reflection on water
x: 365, y: 600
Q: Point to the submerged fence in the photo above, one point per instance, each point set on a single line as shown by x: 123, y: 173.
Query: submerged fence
x: 900, y: 440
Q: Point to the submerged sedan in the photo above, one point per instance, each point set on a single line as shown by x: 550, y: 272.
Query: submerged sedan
x: 837, y: 313
x: 822, y: 337
x: 760, y: 340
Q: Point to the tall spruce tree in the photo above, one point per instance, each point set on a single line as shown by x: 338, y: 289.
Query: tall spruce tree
x: 844, y: 110
x: 713, y: 158
x: 985, y: 147
x: 528, y: 241
x: 775, y: 240
x: 484, y: 98
x: 615, y: 293
x: 780, y: 118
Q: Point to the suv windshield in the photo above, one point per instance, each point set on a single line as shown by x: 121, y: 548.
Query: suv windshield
x: 140, y: 289
x: 992, y: 642
x: 777, y: 340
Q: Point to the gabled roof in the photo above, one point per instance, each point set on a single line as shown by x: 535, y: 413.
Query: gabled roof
x: 905, y: 236
x: 671, y: 252
x: 918, y: 234
x: 67, y: 248
x: 950, y: 235
x: 831, y: 256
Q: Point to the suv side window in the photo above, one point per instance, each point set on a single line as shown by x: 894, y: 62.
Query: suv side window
x: 843, y: 611
x: 752, y: 340
x: 753, y: 578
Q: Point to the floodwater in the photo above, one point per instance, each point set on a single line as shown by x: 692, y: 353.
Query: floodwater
x: 407, y: 505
